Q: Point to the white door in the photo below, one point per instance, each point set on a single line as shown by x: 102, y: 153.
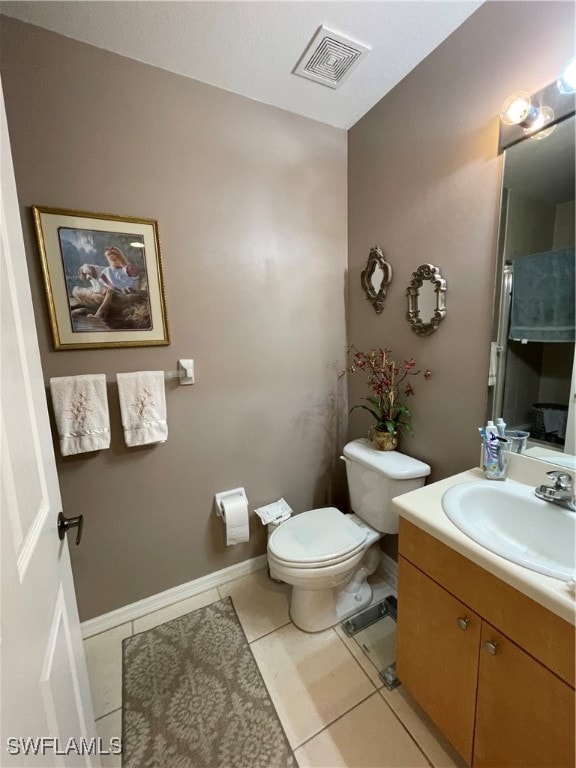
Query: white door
x: 46, y: 707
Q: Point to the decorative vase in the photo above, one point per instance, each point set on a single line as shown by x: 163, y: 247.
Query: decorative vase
x: 384, y: 441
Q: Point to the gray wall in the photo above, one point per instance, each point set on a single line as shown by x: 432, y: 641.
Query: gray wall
x: 424, y: 183
x: 251, y: 205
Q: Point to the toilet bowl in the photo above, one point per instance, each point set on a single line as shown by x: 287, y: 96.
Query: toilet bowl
x: 327, y: 555
x: 320, y: 567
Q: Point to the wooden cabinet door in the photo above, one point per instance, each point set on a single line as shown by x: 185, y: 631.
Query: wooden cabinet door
x: 525, y: 714
x: 437, y: 654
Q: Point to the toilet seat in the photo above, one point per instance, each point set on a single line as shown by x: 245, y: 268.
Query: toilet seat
x: 317, y: 538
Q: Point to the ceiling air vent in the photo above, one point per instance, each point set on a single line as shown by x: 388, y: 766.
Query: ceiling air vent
x: 330, y: 58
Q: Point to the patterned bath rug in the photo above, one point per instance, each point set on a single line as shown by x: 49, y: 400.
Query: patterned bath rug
x: 193, y: 697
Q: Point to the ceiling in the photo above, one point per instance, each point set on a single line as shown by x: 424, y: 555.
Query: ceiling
x: 250, y: 47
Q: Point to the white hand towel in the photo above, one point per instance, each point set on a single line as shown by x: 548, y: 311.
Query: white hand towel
x: 81, y: 412
x: 143, y: 407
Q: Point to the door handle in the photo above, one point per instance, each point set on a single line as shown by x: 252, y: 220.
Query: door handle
x: 65, y: 523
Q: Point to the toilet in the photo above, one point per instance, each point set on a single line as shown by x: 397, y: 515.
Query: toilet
x: 326, y: 555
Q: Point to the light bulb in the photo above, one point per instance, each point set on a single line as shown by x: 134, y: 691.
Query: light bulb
x: 518, y: 110
x: 537, y: 129
x: 567, y: 79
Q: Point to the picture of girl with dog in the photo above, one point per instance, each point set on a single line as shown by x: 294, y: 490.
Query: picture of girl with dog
x: 106, y: 280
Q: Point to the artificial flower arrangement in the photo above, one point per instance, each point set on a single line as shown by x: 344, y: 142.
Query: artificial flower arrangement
x: 388, y: 382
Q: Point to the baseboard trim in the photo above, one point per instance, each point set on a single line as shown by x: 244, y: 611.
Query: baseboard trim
x: 390, y: 568
x: 168, y: 597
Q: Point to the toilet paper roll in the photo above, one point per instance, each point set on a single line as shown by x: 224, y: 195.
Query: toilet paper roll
x: 235, y: 516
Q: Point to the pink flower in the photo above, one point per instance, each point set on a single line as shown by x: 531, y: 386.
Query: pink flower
x: 386, y: 379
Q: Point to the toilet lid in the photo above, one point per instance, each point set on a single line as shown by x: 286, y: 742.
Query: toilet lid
x: 316, y: 536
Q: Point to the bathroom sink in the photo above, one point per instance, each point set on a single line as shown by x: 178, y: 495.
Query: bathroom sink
x: 509, y: 520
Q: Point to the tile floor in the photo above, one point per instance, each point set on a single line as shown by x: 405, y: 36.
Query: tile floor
x: 332, y: 704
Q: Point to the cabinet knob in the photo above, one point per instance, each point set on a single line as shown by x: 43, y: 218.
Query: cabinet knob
x: 492, y: 647
x: 463, y: 623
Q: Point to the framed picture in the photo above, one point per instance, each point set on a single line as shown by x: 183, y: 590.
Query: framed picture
x: 103, y: 279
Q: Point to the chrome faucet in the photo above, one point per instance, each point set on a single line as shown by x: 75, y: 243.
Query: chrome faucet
x: 562, y: 492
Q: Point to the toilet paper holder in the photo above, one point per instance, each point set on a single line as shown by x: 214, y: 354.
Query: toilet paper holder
x: 220, y: 497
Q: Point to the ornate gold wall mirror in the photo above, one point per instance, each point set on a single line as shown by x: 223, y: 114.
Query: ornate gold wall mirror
x: 426, y: 300
x: 376, y: 278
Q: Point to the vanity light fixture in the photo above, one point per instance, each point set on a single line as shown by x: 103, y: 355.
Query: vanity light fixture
x: 519, y: 109
x: 523, y: 110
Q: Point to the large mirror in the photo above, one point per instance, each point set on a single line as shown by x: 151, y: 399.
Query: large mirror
x: 532, y: 372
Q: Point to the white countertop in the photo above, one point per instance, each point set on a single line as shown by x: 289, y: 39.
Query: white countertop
x: 423, y: 508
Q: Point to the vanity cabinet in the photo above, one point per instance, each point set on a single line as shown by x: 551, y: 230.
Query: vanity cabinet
x: 492, y: 668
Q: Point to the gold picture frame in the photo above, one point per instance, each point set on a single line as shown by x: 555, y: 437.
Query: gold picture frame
x: 103, y: 279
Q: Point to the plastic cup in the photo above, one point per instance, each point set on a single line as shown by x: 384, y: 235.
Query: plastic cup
x: 518, y: 439
x: 496, y: 458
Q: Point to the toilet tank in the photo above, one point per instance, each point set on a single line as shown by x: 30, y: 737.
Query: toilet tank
x: 375, y: 477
